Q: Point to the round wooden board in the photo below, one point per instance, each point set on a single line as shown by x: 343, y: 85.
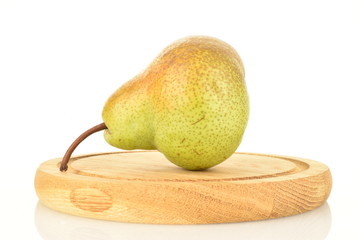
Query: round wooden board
x: 144, y: 187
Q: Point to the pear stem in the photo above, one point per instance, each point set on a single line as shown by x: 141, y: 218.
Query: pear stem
x: 66, y: 158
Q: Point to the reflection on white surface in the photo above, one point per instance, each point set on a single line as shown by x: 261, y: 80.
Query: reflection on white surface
x: 310, y: 225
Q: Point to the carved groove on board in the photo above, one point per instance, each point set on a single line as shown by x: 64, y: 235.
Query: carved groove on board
x: 299, y: 166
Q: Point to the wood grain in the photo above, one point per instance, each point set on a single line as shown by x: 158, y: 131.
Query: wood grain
x: 144, y: 187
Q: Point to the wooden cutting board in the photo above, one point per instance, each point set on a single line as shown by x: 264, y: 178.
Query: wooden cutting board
x: 144, y: 187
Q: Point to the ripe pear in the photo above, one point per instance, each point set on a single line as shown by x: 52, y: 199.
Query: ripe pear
x: 191, y: 104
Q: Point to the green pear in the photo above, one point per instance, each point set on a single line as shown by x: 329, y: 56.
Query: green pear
x: 191, y: 104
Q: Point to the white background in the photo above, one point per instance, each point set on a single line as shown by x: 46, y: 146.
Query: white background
x: 60, y: 60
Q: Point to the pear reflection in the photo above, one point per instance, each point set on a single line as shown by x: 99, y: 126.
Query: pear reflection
x: 53, y: 225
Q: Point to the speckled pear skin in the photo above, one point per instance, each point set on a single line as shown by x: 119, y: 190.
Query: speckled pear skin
x: 191, y: 104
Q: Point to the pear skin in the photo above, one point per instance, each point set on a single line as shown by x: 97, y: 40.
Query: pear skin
x: 191, y: 104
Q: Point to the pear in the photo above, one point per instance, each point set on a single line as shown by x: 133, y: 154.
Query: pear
x: 191, y: 104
